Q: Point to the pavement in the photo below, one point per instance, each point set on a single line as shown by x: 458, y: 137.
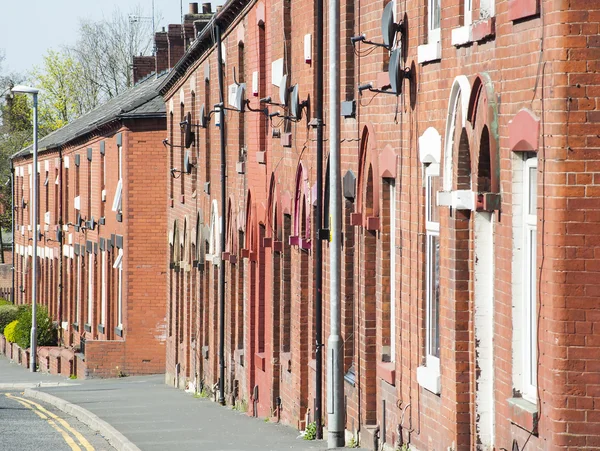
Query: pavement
x: 142, y: 413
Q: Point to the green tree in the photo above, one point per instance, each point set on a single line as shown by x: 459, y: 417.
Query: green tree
x: 58, y: 79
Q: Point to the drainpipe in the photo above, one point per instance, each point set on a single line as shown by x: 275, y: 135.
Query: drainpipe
x: 319, y: 220
x: 223, y: 219
x: 12, y: 231
x: 335, y: 377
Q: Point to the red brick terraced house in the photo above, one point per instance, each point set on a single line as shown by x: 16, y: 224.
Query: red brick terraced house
x: 101, y: 236
x: 470, y: 219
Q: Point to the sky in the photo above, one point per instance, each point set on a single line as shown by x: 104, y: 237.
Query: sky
x: 29, y: 28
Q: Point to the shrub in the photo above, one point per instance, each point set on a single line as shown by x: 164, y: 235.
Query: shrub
x: 8, y: 313
x: 311, y: 431
x: 5, y: 302
x: 9, y: 331
x: 46, y: 332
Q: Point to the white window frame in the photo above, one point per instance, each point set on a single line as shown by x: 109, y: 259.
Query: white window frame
x: 529, y: 304
x: 463, y: 34
x: 429, y: 375
x: 116, y: 206
x: 78, y: 290
x: 392, y: 188
x: 90, y: 287
x: 433, y: 33
x: 431, y: 51
x: 119, y: 265
x: 103, y: 288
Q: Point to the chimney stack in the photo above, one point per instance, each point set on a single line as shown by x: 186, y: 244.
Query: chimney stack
x: 143, y: 66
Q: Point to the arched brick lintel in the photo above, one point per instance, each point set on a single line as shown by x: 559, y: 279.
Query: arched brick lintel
x: 368, y: 157
x: 483, y: 112
x: 302, y: 194
x: 388, y: 162
x: 286, y: 203
x: 524, y: 132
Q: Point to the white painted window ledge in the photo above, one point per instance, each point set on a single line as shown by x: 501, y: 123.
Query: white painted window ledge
x: 429, y: 52
x: 429, y: 379
x: 462, y: 35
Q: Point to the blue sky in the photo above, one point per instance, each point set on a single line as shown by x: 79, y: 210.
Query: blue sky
x: 28, y: 28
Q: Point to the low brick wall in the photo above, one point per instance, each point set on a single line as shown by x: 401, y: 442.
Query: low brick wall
x: 104, y: 359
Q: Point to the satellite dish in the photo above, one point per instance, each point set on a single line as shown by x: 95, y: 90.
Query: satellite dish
x: 239, y: 97
x: 388, y: 27
x: 395, y: 71
x: 187, y: 166
x: 283, y: 90
x: 203, y: 119
x: 295, y: 110
x: 189, y: 134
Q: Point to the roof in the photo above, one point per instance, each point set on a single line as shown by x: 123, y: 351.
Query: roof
x: 225, y: 17
x: 141, y: 101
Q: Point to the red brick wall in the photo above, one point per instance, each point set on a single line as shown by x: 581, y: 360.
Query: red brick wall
x: 142, y: 227
x: 511, y: 58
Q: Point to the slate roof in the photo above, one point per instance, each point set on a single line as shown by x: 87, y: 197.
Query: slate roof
x: 141, y: 101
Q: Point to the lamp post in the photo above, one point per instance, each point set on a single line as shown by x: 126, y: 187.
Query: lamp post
x: 34, y: 92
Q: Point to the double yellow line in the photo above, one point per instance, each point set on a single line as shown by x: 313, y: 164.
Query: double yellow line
x: 60, y: 425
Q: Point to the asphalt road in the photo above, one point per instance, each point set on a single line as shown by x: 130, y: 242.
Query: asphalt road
x: 27, y: 425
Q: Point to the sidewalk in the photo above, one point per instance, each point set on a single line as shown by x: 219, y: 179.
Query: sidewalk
x: 156, y: 417
x: 16, y: 377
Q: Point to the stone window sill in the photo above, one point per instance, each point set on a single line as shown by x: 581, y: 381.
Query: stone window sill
x: 484, y: 29
x: 386, y: 371
x: 462, y: 35
x: 429, y: 379
x: 429, y: 52
x: 520, y: 9
x: 259, y: 359
x: 524, y: 413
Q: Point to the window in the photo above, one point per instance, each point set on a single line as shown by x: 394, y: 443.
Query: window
x: 529, y: 259
x: 103, y: 291
x: 118, y: 264
x: 78, y: 290
x: 432, y: 49
x: 463, y: 35
x: 392, y: 188
x: 117, y: 201
x: 434, y: 12
x: 90, y: 306
x: 428, y: 376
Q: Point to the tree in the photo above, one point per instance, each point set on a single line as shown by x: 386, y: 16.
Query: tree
x: 62, y: 99
x: 105, y: 51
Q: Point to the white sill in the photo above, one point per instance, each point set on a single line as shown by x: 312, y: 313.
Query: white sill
x: 462, y: 35
x: 429, y: 52
x: 429, y: 379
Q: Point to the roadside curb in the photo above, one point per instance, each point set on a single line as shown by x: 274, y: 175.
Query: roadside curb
x: 114, y: 437
x: 25, y: 385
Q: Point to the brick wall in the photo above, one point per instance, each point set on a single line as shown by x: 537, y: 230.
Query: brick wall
x: 504, y: 71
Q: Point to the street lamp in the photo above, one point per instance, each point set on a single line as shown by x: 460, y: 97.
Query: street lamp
x: 20, y: 89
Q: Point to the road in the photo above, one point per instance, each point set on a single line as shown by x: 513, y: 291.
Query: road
x: 27, y: 425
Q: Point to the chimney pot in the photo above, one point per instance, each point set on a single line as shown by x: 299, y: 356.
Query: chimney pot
x: 219, y: 8
x: 193, y: 8
x: 206, y: 8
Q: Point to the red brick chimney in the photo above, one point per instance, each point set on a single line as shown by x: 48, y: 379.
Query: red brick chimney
x: 176, y: 44
x: 143, y: 66
x: 162, y: 51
